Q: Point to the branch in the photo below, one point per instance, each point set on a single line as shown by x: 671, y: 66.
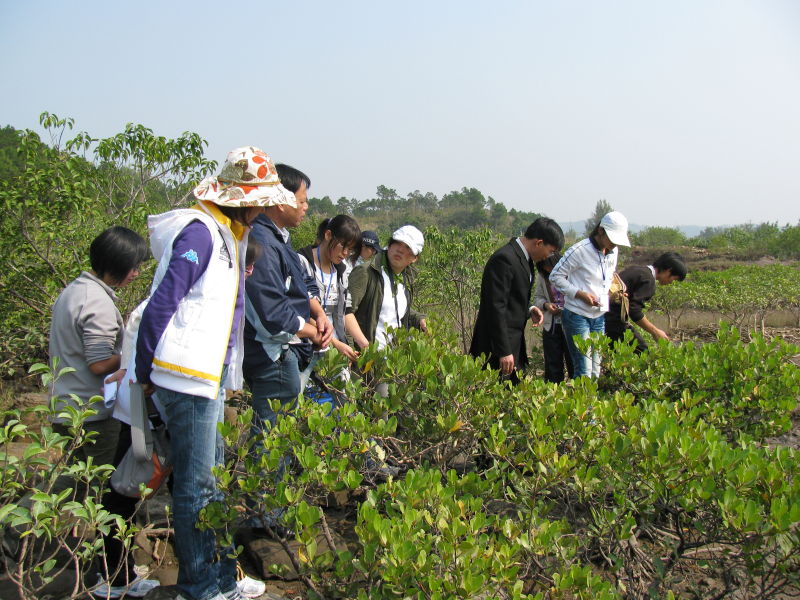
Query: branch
x: 293, y: 559
x: 40, y: 255
x: 327, y: 532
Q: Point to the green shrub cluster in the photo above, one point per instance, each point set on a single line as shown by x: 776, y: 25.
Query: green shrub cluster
x: 597, y: 489
x: 742, y: 294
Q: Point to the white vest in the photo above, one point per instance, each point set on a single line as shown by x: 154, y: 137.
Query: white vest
x: 191, y: 352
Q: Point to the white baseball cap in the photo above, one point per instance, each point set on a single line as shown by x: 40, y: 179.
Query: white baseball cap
x: 411, y: 236
x: 616, y: 227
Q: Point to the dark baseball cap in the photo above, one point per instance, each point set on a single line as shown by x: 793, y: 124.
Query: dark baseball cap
x: 370, y: 238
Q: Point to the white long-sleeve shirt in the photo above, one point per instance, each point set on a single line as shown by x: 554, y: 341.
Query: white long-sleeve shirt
x: 585, y: 267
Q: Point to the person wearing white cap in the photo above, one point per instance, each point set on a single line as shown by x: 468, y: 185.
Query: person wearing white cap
x: 584, y: 275
x: 376, y: 310
x: 189, y: 346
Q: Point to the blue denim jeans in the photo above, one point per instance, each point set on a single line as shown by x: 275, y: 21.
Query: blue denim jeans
x: 584, y: 365
x: 282, y: 380
x: 203, y: 570
x: 278, y: 381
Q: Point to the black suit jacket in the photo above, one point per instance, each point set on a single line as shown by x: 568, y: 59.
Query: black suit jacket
x: 503, y: 313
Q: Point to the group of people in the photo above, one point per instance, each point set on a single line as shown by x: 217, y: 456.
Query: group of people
x: 573, y: 297
x: 232, y: 303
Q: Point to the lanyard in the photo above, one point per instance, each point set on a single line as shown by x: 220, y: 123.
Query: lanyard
x: 330, y: 280
x: 601, y: 256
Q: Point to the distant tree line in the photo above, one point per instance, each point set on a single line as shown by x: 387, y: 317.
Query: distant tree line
x: 465, y: 209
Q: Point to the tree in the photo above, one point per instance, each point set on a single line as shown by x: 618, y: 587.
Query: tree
x: 659, y: 236
x: 61, y: 200
x: 601, y: 208
x: 322, y: 206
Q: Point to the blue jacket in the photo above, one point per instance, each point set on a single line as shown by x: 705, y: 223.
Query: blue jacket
x: 277, y: 299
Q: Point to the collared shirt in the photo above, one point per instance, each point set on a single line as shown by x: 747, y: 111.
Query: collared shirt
x: 524, y: 249
x: 528, y: 260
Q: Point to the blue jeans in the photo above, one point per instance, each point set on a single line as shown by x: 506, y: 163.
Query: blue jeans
x: 278, y: 381
x: 203, y: 570
x: 584, y: 365
x: 282, y: 380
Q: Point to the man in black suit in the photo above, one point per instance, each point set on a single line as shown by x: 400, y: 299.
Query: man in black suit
x: 506, y: 297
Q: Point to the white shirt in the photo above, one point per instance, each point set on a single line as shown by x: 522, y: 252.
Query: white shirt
x: 391, y: 315
x: 584, y: 267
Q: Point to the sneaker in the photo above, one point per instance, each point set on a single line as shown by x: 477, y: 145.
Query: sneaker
x: 137, y: 588
x: 251, y: 588
x: 232, y: 595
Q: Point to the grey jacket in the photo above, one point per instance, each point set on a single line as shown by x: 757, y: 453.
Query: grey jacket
x: 86, y: 328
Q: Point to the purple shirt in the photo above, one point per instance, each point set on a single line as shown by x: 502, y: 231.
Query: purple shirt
x: 191, y: 253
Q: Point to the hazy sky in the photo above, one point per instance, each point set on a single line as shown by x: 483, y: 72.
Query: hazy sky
x: 679, y: 112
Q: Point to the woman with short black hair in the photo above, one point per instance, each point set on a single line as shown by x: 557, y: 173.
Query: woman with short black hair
x: 86, y: 335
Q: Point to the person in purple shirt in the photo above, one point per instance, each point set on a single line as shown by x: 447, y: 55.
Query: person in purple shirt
x: 189, y: 347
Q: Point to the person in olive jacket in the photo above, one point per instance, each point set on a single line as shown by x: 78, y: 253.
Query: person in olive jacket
x: 388, y: 271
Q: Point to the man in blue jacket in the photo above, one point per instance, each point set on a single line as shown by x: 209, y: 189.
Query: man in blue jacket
x: 279, y: 333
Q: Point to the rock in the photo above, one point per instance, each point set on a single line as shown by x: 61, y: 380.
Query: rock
x: 262, y: 553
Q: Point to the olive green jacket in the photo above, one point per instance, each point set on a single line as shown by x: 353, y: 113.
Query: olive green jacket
x: 366, y: 289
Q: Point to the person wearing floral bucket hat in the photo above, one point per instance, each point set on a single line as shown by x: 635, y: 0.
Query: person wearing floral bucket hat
x: 189, y: 345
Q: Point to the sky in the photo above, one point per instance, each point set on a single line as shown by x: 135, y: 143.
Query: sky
x: 677, y: 113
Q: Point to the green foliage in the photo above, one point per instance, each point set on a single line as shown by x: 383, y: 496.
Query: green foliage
x: 50, y: 505
x: 598, y: 489
x: 429, y: 536
x: 659, y: 236
x: 751, y: 241
x: 745, y: 390
x: 449, y: 283
x: 57, y: 201
x: 465, y: 209
x: 739, y: 294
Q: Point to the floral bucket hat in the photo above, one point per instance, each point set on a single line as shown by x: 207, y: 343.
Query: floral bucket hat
x: 248, y: 178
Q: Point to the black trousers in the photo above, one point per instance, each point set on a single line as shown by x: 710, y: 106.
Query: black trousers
x: 556, y: 354
x: 123, y: 506
x: 616, y: 332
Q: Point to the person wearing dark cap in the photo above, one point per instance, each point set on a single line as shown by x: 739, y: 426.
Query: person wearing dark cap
x: 369, y: 246
x: 640, y: 284
x: 366, y: 248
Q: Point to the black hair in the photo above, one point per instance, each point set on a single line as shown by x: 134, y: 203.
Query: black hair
x: 292, y: 178
x: 549, y: 262
x: 672, y: 262
x: 254, y: 251
x: 344, y: 229
x: 116, y: 252
x: 353, y: 258
x: 547, y: 230
x: 236, y: 213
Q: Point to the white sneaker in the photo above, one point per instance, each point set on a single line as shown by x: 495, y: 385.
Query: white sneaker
x: 251, y: 588
x: 137, y: 588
